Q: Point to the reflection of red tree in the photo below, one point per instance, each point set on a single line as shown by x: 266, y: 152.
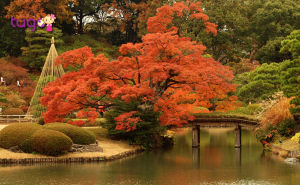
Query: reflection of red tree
x: 214, y: 154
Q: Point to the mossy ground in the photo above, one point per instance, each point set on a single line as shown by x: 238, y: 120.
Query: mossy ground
x: 288, y: 144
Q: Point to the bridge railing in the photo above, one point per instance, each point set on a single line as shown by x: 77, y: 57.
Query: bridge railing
x: 16, y: 118
x: 225, y: 116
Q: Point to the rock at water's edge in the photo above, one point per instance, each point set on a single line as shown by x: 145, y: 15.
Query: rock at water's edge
x: 292, y: 160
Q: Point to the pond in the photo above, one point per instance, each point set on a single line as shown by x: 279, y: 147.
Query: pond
x: 215, y: 162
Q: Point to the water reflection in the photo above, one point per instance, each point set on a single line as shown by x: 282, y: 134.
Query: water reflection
x: 217, y: 161
x: 238, y: 156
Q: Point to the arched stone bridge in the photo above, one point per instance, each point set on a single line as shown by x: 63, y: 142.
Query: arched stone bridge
x: 224, y: 120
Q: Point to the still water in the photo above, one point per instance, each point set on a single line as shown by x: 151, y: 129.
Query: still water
x: 216, y: 162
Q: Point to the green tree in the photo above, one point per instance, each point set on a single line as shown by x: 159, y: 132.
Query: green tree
x: 232, y: 39
x: 263, y: 81
x: 270, y: 23
x: 86, y: 8
x: 11, y: 39
x: 290, y: 69
x: 38, y: 46
x: 147, y: 130
x: 3, y: 99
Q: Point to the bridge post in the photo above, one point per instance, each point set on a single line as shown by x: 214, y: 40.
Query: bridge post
x: 238, y: 136
x: 198, y: 129
x: 195, y: 137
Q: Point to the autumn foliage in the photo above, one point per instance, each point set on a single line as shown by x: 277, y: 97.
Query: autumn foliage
x: 165, y: 72
x: 36, y: 9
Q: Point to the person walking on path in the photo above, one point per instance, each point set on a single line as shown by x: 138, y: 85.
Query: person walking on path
x: 18, y: 84
x: 2, y: 81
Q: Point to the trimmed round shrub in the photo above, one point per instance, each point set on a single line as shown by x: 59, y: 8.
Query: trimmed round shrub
x: 50, y: 142
x: 41, y: 121
x: 13, y: 111
x: 18, y: 134
x: 77, y: 134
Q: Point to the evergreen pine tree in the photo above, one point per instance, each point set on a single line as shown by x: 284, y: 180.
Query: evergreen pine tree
x: 290, y: 70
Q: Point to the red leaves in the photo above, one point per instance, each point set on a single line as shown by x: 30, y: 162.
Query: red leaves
x: 127, y: 122
x: 90, y: 114
x: 166, y: 71
x: 165, y: 17
x: 74, y: 57
x: 228, y: 104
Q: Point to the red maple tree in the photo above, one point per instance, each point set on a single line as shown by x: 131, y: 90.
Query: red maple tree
x: 166, y: 71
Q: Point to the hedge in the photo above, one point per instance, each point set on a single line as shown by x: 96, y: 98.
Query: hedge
x: 13, y: 111
x: 78, y: 135
x: 18, y: 134
x: 50, y: 142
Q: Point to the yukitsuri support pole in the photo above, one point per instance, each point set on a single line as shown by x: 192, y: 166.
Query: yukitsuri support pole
x: 237, y: 136
x: 196, y: 136
x: 49, y: 73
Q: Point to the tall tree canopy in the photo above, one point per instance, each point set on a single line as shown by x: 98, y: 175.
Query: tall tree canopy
x: 264, y: 81
x: 291, y: 69
x: 166, y: 72
x: 272, y: 22
x: 37, y: 9
x: 38, y: 46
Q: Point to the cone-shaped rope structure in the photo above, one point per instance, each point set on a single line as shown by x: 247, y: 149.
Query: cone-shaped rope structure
x: 49, y: 73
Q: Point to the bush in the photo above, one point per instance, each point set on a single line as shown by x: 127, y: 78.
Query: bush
x: 146, y: 131
x: 24, y: 109
x: 277, y: 112
x: 286, y: 127
x: 78, y: 135
x: 72, y: 116
x: 13, y: 111
x: 18, y: 134
x: 50, y: 142
x: 243, y: 103
x: 41, y: 121
x: 241, y: 110
x: 254, y: 107
x: 266, y: 134
x: 200, y: 108
x: 296, y: 137
x: 67, y: 119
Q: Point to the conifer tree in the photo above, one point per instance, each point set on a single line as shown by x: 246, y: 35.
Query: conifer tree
x: 3, y: 99
x: 263, y: 81
x: 38, y: 46
x: 290, y: 70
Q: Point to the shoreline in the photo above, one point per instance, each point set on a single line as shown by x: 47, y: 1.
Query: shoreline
x: 112, y: 149
x: 48, y: 159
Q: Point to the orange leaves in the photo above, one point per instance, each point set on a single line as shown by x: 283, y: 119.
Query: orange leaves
x: 127, y: 121
x: 74, y: 57
x: 277, y: 113
x: 35, y: 9
x: 165, y: 17
x: 228, y: 104
x: 165, y: 71
x: 89, y: 113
